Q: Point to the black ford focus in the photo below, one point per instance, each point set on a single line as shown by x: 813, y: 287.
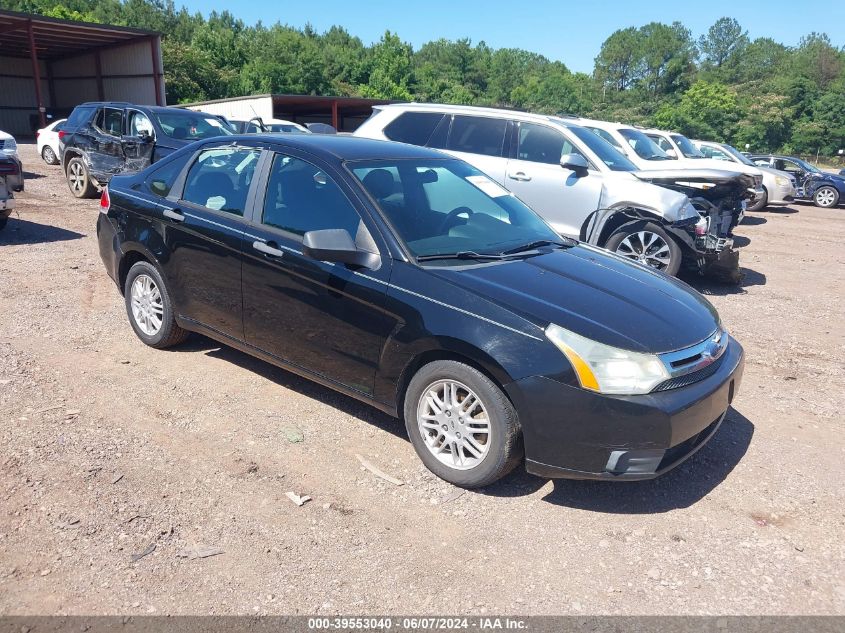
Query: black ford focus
x: 411, y: 281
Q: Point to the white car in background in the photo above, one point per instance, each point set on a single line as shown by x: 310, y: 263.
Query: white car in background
x: 47, y: 140
x: 284, y: 127
x: 778, y: 186
x: 9, y: 146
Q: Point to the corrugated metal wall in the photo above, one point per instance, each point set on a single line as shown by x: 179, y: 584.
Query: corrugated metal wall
x: 126, y: 75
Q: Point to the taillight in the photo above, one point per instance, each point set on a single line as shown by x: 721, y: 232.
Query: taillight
x: 105, y: 201
x: 62, y: 134
x: 38, y: 133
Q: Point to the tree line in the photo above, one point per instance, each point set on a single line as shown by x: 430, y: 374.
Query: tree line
x: 721, y: 86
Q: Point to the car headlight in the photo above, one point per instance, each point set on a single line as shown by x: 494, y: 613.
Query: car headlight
x: 688, y: 211
x: 780, y: 181
x: 607, y: 369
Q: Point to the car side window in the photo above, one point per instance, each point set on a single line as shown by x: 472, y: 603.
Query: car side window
x: 301, y: 197
x: 712, y: 152
x: 477, y: 135
x: 79, y: 116
x: 542, y: 144
x: 161, y: 180
x: 220, y: 178
x: 414, y: 128
x: 139, y: 123
x: 662, y: 143
x: 109, y: 121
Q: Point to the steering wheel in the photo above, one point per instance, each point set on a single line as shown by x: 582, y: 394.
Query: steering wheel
x: 450, y: 218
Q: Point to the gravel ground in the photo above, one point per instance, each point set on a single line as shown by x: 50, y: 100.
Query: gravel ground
x: 121, y: 466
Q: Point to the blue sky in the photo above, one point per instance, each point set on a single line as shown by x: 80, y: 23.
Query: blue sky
x: 562, y: 30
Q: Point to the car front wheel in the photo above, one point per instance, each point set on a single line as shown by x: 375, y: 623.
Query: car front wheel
x: 826, y: 197
x: 648, y: 244
x: 461, y: 424
x: 149, y: 307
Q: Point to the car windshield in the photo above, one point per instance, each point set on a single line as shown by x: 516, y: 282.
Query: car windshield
x: 643, y: 145
x: 742, y: 158
x: 608, y: 154
x: 687, y: 148
x: 443, y: 206
x: 190, y: 125
x: 806, y: 166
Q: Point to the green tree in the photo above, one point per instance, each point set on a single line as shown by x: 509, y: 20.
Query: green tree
x: 724, y: 42
x: 391, y: 76
x: 620, y: 61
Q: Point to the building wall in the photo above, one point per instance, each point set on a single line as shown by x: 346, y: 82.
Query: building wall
x: 238, y: 109
x: 126, y: 73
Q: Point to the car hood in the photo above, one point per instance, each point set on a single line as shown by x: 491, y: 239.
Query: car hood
x: 711, y: 184
x: 595, y: 294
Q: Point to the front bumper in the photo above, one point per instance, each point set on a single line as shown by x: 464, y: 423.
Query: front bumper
x: 573, y: 433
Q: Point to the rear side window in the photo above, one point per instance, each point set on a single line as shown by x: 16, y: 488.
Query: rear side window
x: 79, y: 116
x: 110, y: 121
x: 413, y: 127
x: 542, y: 144
x: 160, y: 182
x: 220, y: 179
x: 477, y: 135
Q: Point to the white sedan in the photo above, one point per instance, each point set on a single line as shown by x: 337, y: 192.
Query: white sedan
x: 48, y: 142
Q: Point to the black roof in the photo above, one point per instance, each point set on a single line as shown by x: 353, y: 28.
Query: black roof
x: 343, y: 147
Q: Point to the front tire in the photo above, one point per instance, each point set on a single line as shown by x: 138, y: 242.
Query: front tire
x: 826, y: 197
x: 462, y: 426
x: 762, y: 202
x: 648, y: 244
x: 149, y: 307
x: 79, y: 180
x: 49, y: 155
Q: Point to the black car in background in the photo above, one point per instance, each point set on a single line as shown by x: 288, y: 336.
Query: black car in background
x: 823, y: 189
x: 409, y: 280
x: 101, y: 139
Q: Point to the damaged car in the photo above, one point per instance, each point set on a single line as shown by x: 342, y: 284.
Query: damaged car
x: 102, y: 139
x: 581, y: 185
x: 11, y: 176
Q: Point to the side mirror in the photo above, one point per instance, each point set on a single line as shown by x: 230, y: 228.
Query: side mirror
x: 576, y: 163
x: 336, y: 245
x: 671, y: 153
x: 145, y: 136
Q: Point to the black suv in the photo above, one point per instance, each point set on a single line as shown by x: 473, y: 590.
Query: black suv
x: 101, y: 139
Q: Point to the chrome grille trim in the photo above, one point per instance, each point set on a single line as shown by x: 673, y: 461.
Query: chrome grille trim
x: 692, y: 359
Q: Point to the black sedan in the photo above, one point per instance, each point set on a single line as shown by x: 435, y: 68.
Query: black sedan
x: 409, y: 280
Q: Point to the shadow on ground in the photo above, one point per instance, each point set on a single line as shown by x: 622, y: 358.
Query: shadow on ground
x: 26, y: 232
x: 679, y: 488
x: 753, y: 220
x: 708, y: 286
x: 29, y: 175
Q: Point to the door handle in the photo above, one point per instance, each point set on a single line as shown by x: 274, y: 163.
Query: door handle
x: 267, y: 249
x: 519, y: 175
x: 174, y: 214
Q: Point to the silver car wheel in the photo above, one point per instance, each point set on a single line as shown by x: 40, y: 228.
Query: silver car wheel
x: 147, y: 305
x: 646, y: 248
x: 77, y: 177
x: 49, y: 155
x: 454, y: 424
x: 825, y: 197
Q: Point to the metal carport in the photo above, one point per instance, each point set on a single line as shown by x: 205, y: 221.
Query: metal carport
x: 48, y: 64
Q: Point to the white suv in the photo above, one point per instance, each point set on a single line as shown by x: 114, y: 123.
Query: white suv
x: 581, y: 185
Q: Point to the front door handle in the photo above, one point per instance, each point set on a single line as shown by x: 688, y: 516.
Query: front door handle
x: 174, y: 214
x: 267, y: 249
x: 519, y: 175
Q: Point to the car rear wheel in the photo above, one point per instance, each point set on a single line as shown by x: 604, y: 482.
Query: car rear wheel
x: 49, y: 155
x: 79, y: 180
x: 762, y: 202
x: 648, y: 244
x: 461, y: 424
x: 149, y: 307
x: 826, y: 197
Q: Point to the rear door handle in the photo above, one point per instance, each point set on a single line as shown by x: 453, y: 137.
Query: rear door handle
x: 267, y: 249
x: 174, y: 214
x: 519, y: 175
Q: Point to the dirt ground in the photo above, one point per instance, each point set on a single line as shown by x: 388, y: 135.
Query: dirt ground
x: 120, y: 463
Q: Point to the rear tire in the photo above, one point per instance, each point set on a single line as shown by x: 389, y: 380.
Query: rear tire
x: 826, y: 197
x: 149, y: 307
x: 762, y: 202
x: 463, y: 427
x: 648, y: 244
x: 49, y: 155
x: 79, y: 180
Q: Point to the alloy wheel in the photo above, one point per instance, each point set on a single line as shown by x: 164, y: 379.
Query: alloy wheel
x: 147, y: 305
x: 454, y: 424
x: 825, y: 197
x: 646, y: 248
x: 77, y: 177
x: 49, y: 155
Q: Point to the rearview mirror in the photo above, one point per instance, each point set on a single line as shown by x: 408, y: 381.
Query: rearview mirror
x: 576, y: 163
x: 336, y: 245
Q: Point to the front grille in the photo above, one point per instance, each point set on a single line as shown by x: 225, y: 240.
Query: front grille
x: 691, y: 378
